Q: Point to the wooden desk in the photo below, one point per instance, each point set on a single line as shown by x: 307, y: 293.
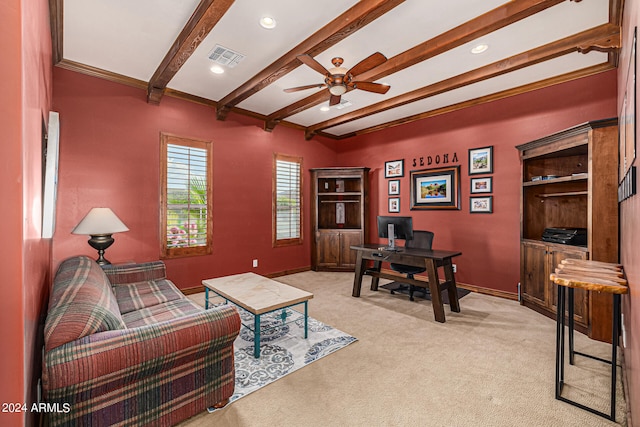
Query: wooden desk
x: 430, y: 259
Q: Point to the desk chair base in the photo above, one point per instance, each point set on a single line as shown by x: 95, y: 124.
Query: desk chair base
x: 560, y: 340
x: 411, y: 289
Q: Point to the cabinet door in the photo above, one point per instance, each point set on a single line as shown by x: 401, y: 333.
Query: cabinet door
x: 328, y: 249
x: 348, y: 239
x: 533, y: 280
x: 581, y: 298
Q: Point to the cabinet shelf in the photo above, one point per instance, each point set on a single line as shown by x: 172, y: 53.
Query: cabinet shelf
x: 339, y: 201
x: 579, y: 177
x: 338, y: 193
x: 564, y: 194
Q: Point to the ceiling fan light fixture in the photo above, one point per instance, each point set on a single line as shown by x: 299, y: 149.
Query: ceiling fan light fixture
x: 268, y: 22
x: 338, y: 90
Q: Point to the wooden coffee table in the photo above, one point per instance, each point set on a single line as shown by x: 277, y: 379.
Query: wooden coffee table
x: 259, y: 296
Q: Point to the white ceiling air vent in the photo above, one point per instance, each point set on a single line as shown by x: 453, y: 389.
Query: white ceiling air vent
x: 224, y: 56
x: 343, y: 104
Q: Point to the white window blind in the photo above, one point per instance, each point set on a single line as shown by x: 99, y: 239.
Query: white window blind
x: 186, y: 186
x: 288, y: 199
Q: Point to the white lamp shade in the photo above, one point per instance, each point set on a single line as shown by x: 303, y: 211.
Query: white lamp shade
x: 100, y: 221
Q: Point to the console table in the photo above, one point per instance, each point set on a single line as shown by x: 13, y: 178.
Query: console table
x: 431, y: 259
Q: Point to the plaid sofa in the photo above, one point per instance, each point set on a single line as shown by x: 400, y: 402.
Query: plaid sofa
x: 124, y: 346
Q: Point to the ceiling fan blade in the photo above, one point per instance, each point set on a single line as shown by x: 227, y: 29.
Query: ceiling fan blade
x: 371, y: 87
x: 313, y: 64
x: 298, y: 88
x: 367, y: 64
x: 335, y: 99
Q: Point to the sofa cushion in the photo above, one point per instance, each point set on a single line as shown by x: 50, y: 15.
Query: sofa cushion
x: 161, y: 312
x: 81, y: 303
x: 133, y: 273
x: 136, y: 296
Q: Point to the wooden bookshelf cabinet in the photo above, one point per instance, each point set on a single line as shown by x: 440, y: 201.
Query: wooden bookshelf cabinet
x: 569, y: 179
x: 339, y: 208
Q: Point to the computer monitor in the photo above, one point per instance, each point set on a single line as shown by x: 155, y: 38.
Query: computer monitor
x: 395, y: 227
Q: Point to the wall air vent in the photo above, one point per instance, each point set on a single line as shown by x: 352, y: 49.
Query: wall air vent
x: 224, y: 56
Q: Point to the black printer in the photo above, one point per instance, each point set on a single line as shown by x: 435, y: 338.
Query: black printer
x: 566, y: 236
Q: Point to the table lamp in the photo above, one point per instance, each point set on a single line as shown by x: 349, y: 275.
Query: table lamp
x: 100, y: 224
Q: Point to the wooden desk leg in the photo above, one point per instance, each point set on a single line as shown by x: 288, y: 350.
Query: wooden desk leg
x: 449, y: 275
x: 436, y: 297
x: 357, y: 279
x: 374, y: 280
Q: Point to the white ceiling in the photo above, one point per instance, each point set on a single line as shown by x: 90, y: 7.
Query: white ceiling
x: 131, y: 38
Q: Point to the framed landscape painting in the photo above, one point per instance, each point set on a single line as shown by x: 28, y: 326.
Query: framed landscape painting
x: 436, y: 188
x: 481, y: 160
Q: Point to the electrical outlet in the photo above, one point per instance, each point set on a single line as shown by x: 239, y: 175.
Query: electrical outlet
x: 255, y: 263
x: 455, y: 268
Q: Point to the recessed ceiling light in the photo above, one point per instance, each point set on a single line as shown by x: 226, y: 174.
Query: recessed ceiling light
x: 480, y: 48
x: 216, y: 69
x: 267, y: 22
x: 324, y: 108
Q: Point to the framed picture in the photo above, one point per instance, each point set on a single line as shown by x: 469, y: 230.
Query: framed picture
x: 394, y: 169
x: 394, y: 187
x: 482, y: 185
x: 482, y: 204
x: 481, y: 160
x: 436, y: 188
x: 51, y: 176
x: 394, y: 204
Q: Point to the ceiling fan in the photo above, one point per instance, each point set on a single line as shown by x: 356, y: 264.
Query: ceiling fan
x: 338, y: 79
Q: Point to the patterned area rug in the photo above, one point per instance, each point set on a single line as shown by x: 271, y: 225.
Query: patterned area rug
x: 283, y: 349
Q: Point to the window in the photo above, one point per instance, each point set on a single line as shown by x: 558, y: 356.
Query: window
x: 186, y: 215
x: 287, y: 200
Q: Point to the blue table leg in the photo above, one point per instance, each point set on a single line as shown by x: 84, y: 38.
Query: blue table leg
x: 306, y: 320
x: 256, y: 336
x: 206, y: 298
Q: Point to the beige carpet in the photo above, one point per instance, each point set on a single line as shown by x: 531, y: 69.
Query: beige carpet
x: 492, y: 364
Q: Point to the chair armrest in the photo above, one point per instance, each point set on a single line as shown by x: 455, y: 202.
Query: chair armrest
x: 111, y: 359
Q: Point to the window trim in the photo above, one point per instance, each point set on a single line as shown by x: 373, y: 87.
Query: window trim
x: 165, y: 251
x: 294, y: 241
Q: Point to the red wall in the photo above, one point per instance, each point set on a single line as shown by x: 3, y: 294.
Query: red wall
x: 109, y: 156
x: 11, y: 310
x: 630, y: 234
x: 489, y: 242
x: 25, y: 84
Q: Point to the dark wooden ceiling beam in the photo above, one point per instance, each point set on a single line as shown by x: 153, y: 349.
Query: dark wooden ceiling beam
x: 205, y: 17
x: 493, y: 20
x: 361, y: 14
x: 574, y: 75
x: 56, y: 21
x: 604, y: 37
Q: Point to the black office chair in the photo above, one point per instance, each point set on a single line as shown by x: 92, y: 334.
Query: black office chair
x: 421, y: 240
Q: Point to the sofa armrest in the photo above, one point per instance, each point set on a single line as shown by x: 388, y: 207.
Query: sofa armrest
x: 133, y: 273
x: 109, y: 360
